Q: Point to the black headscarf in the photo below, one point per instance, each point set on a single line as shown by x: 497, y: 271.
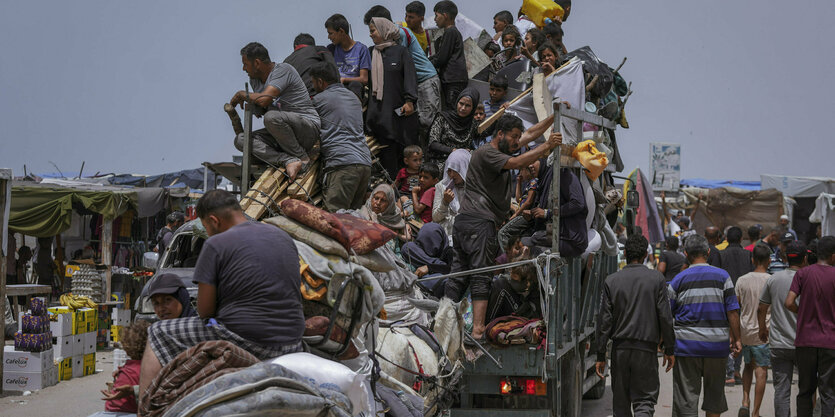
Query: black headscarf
x: 182, y: 296
x: 461, y: 125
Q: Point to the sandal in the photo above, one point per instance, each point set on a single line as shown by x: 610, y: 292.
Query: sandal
x: 743, y: 412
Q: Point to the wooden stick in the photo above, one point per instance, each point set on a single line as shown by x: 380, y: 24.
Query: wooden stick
x: 492, y: 119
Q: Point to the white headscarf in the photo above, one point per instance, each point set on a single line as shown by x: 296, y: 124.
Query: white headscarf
x: 458, y: 161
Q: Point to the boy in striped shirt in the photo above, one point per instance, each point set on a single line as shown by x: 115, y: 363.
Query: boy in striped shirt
x: 706, y: 314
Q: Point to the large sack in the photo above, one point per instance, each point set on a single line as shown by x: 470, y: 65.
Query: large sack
x: 309, y: 236
x: 264, y: 389
x: 323, y: 373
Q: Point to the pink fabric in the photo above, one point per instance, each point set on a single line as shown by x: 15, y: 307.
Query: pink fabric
x: 128, y: 375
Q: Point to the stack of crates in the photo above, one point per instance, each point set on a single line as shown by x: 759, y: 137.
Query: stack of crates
x: 74, y: 340
x: 120, y: 318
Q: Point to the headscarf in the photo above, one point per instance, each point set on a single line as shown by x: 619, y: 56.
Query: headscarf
x: 458, y: 161
x: 182, y: 296
x: 428, y: 248
x: 390, y: 33
x: 390, y: 218
x: 461, y: 126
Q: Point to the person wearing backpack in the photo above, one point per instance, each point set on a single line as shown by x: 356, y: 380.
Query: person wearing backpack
x: 172, y: 222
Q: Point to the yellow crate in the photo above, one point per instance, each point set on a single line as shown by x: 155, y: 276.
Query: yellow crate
x: 89, y: 364
x: 115, y: 333
x: 64, y: 369
x: 92, y: 321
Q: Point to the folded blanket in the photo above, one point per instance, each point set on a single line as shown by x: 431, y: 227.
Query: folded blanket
x: 190, y: 370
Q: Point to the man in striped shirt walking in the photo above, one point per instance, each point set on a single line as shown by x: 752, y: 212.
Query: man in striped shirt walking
x: 706, y: 314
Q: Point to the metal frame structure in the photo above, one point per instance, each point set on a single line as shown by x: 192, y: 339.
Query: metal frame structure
x: 572, y: 304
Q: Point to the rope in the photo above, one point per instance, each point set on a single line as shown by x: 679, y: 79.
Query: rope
x: 488, y: 268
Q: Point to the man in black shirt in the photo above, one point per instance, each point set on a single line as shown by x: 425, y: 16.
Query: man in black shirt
x: 736, y: 261
x: 671, y: 261
x: 635, y: 314
x: 248, y: 290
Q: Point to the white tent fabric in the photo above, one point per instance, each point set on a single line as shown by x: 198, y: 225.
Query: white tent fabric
x: 566, y: 84
x: 798, y: 186
x: 825, y: 214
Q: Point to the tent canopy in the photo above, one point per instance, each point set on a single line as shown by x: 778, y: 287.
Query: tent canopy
x: 705, y: 183
x: 798, y: 186
x: 45, y: 210
x: 722, y: 207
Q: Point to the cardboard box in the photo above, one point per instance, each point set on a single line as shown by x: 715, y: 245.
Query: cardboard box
x: 64, y: 346
x: 62, y: 326
x: 53, y: 376
x: 27, y: 362
x: 26, y: 381
x: 89, y: 364
x: 88, y: 343
x: 77, y: 366
x: 78, y: 344
x: 64, y: 368
x: 81, y: 320
x: 59, y: 310
x: 92, y: 320
x: 103, y: 339
x: 120, y: 316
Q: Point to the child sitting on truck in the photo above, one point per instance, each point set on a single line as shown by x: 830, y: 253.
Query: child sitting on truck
x: 120, y: 394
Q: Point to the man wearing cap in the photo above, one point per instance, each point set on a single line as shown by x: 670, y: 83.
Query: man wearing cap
x: 815, y: 340
x: 784, y: 223
x: 248, y: 290
x: 781, y: 332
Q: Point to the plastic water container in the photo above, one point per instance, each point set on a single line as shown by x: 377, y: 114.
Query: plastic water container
x: 119, y: 358
x: 540, y: 10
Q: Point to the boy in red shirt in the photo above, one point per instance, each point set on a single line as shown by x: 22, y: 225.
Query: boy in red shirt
x: 424, y: 194
x: 408, y: 177
x: 121, y: 395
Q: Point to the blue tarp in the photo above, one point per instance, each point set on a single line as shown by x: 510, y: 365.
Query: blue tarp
x: 704, y: 183
x: 190, y: 177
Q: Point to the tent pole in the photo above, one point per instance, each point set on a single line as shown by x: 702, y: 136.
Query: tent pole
x: 106, y: 256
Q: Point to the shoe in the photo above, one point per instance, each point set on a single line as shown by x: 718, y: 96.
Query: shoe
x: 469, y: 342
x: 743, y: 412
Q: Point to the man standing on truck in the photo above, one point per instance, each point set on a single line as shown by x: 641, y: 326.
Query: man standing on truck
x: 706, y: 313
x: 635, y: 315
x: 247, y: 290
x: 485, y: 206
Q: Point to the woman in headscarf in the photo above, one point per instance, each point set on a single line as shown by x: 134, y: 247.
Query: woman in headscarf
x: 430, y: 253
x: 449, y: 190
x: 453, y: 129
x: 381, y: 208
x: 391, y: 116
x: 170, y: 297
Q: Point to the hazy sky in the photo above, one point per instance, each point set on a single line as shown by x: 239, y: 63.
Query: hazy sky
x: 138, y: 87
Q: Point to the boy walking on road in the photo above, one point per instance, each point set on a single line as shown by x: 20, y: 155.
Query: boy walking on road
x: 755, y: 352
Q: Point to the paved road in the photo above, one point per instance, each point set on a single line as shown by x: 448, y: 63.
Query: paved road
x: 664, y: 408
x: 78, y: 397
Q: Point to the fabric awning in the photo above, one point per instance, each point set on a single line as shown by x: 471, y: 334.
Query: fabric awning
x: 45, y: 211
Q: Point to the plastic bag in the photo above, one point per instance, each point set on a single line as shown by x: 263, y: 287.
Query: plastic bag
x: 328, y: 374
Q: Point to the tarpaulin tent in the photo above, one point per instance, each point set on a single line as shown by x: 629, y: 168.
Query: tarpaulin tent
x: 45, y: 210
x: 190, y: 177
x: 824, y: 214
x: 647, y: 216
x: 704, y: 183
x: 729, y: 206
x: 804, y: 191
x: 798, y: 186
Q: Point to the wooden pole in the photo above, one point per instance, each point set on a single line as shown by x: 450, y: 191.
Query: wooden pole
x: 106, y: 255
x: 5, y: 196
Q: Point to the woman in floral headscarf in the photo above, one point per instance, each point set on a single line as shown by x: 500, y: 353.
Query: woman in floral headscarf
x: 381, y: 208
x: 391, y: 117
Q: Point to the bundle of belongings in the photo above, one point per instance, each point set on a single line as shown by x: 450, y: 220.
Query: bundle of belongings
x: 514, y: 330
x: 221, y: 380
x: 337, y: 253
